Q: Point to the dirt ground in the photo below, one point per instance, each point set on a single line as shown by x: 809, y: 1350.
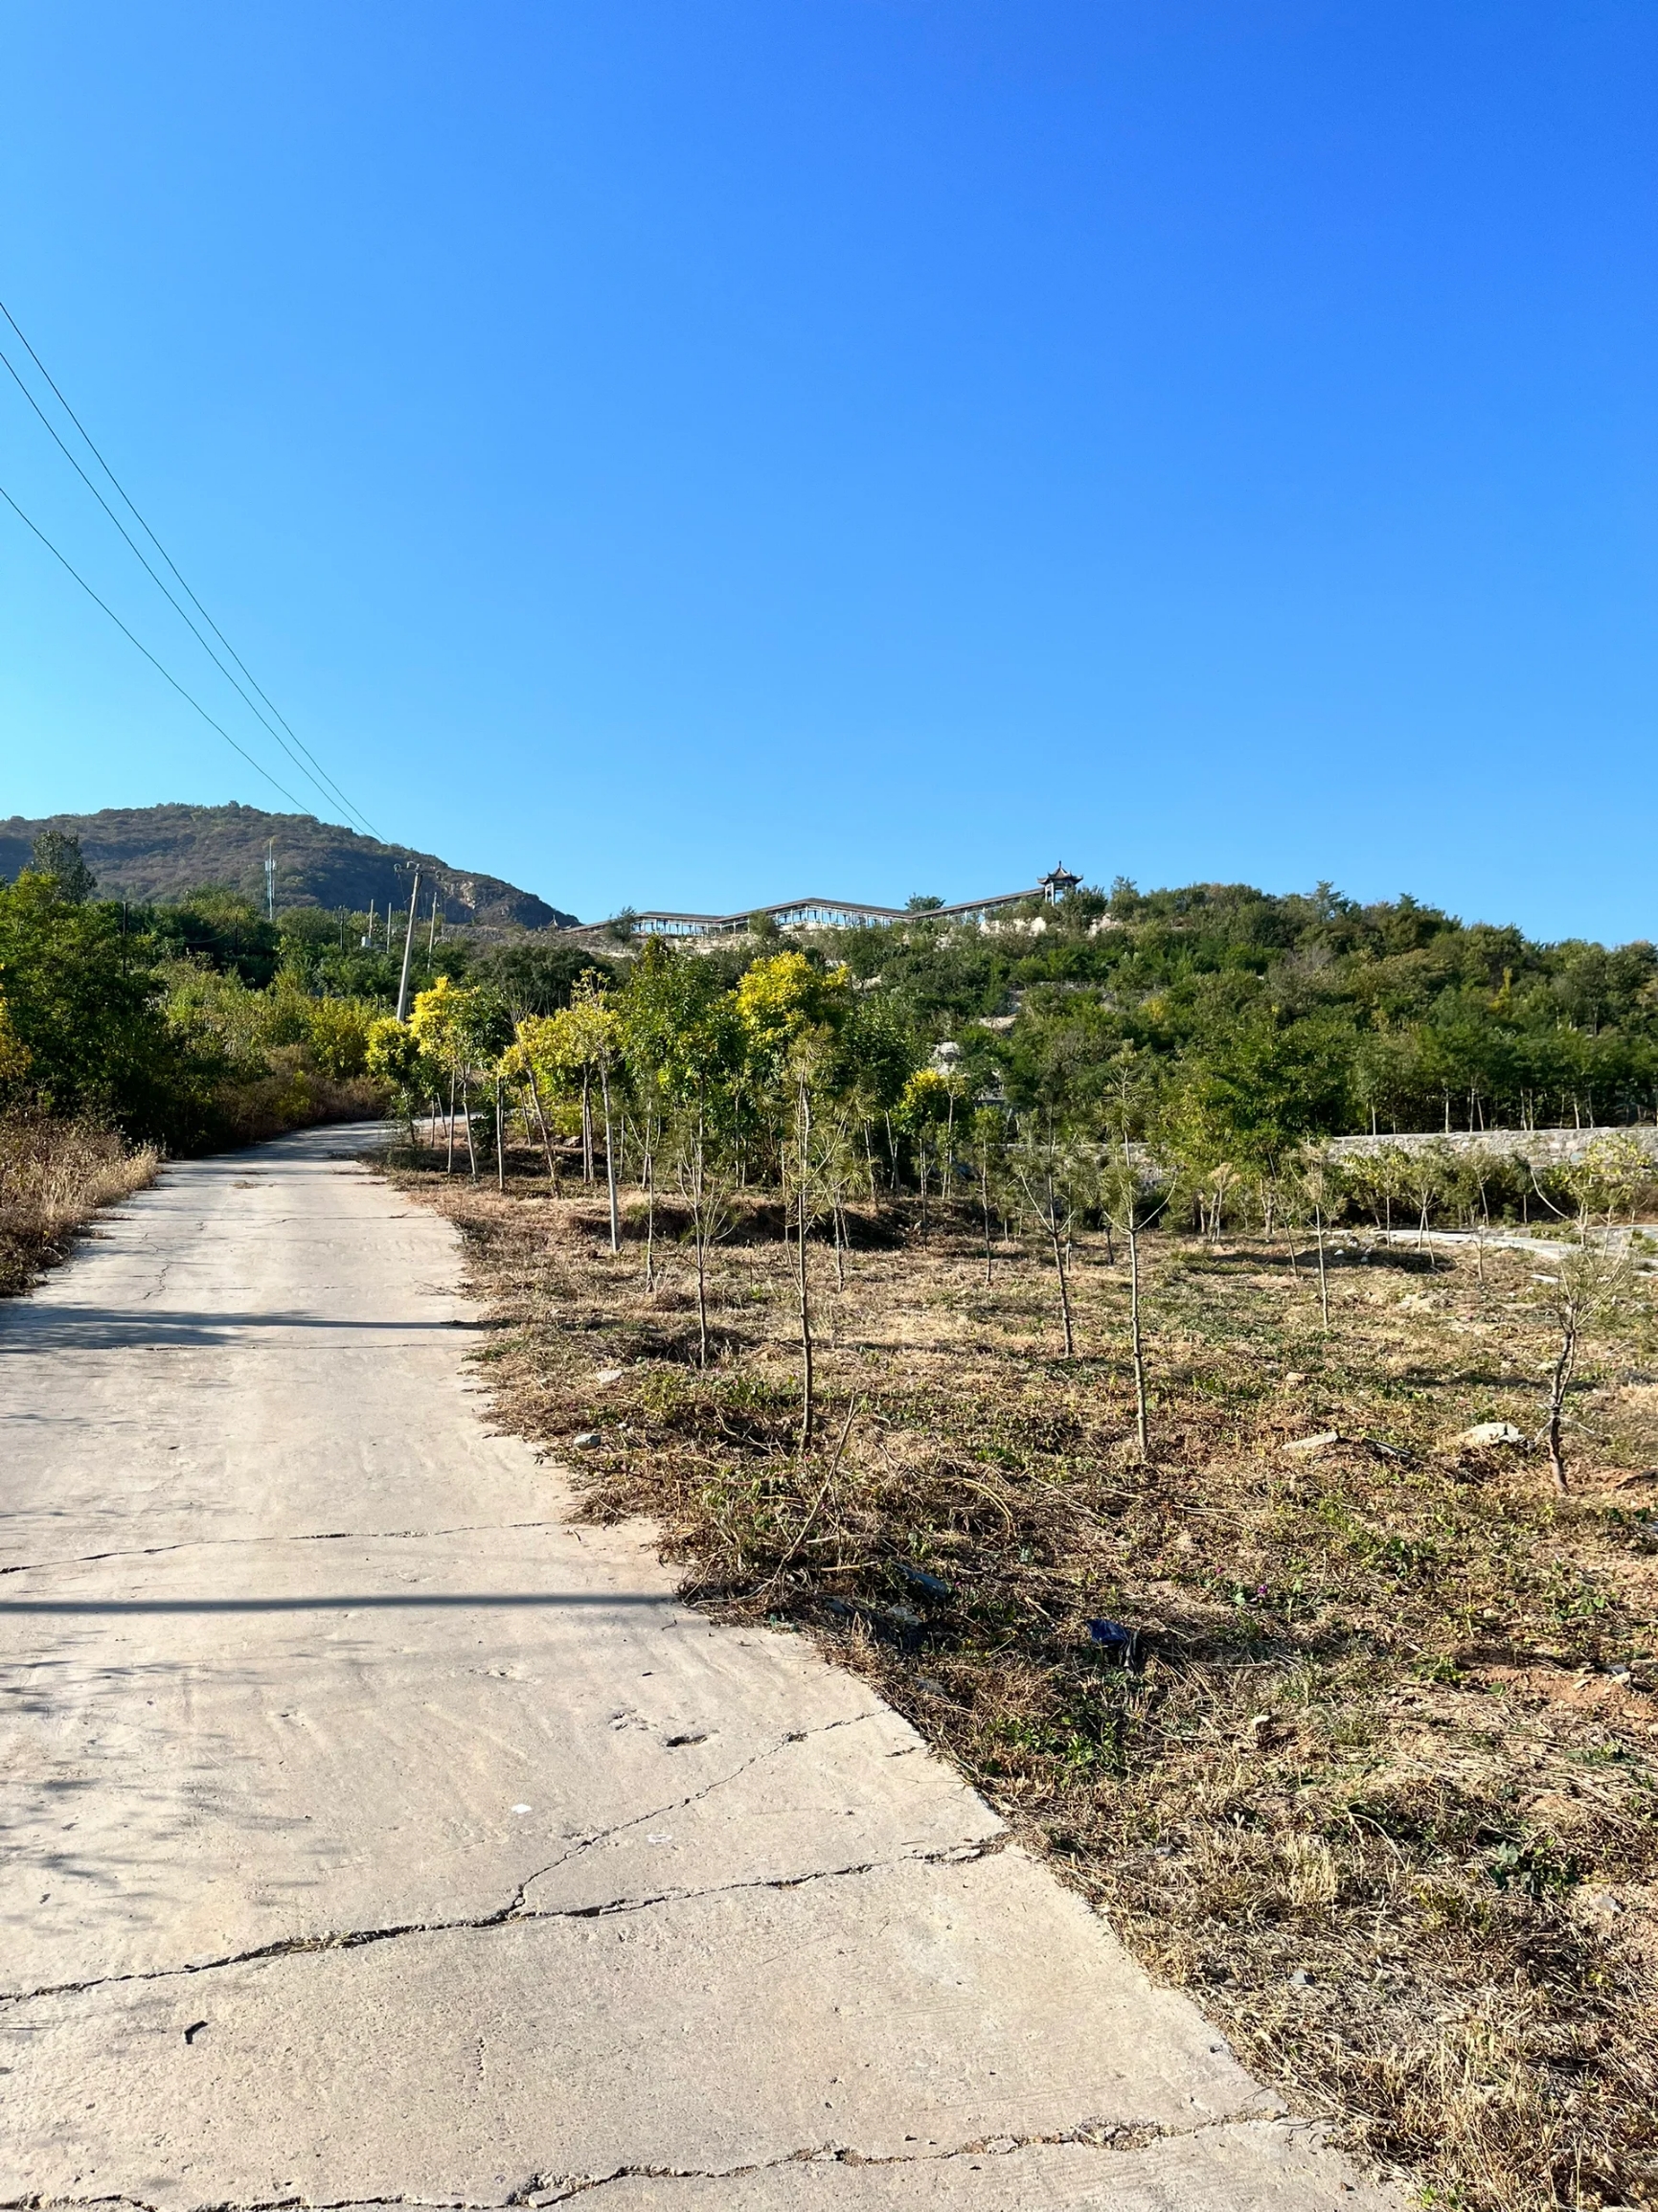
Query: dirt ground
x: 1346, y: 1723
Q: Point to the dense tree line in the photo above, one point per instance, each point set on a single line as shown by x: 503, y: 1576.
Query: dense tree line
x: 1334, y: 1016
x: 1234, y: 1025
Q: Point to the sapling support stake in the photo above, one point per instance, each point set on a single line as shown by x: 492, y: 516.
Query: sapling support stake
x: 803, y: 1116
x: 984, y: 1202
x: 610, y: 1162
x: 1139, y: 1422
x: 648, y: 1170
x: 1323, y: 1277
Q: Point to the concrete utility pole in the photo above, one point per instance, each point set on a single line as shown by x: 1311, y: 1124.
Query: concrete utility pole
x: 408, y: 946
x: 270, y: 879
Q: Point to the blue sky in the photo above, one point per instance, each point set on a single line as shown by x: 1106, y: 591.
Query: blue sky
x: 698, y: 455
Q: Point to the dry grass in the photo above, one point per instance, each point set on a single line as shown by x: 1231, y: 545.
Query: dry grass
x: 54, y: 1176
x: 1375, y: 1778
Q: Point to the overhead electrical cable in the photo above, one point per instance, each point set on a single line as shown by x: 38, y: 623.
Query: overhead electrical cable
x: 328, y: 782
x: 331, y: 793
x: 147, y: 654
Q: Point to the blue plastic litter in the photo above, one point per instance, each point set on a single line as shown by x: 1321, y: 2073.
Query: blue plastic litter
x: 918, y: 1579
x: 1111, y: 1633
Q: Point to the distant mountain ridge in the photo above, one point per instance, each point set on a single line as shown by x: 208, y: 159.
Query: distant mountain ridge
x: 156, y: 853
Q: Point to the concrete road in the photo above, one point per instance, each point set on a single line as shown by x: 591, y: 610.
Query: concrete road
x: 372, y: 1834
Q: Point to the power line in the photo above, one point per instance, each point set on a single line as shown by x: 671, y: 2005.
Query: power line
x: 327, y: 784
x: 147, y: 654
x: 331, y: 793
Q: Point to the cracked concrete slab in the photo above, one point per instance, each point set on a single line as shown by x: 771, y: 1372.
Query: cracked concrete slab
x: 375, y: 1834
x: 1256, y: 2166
x: 901, y: 2012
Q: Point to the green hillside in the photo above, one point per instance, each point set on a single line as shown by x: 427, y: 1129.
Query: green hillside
x: 159, y: 853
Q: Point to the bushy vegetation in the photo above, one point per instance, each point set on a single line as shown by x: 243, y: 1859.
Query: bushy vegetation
x: 134, y: 1031
x: 1288, y: 1015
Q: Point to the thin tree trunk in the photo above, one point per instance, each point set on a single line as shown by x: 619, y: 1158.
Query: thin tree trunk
x: 610, y: 1163
x: 1323, y: 1277
x: 449, y: 1163
x: 500, y: 1142
x: 467, y: 1117
x: 1059, y: 1269
x: 984, y: 1207
x: 699, y: 1232
x: 807, y: 1407
x: 1140, y: 1430
x: 649, y: 1172
x: 1559, y: 1377
x: 546, y: 1132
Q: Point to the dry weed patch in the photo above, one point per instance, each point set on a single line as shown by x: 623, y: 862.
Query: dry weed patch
x: 1356, y: 1741
x: 54, y: 1176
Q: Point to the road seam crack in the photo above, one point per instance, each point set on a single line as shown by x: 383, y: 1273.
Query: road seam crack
x: 544, y: 2189
x: 517, y: 1912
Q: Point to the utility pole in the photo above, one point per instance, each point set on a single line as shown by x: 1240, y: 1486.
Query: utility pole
x: 270, y: 879
x: 432, y: 933
x: 408, y: 946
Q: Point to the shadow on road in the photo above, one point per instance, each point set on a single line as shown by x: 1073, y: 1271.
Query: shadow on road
x: 373, y: 1602
x: 98, y: 1329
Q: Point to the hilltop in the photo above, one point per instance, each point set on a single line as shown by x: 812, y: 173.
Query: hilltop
x: 160, y: 853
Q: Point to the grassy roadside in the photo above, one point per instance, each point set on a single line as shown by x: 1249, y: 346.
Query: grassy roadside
x: 1373, y: 1776
x: 54, y: 1177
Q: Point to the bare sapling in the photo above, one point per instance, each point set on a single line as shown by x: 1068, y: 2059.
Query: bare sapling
x: 610, y: 1160
x: 699, y: 1235
x: 1593, y: 1284
x: 1123, y: 1200
x: 1320, y: 1189
x: 647, y: 1171
x: 1597, y: 1275
x: 1323, y: 1266
x: 702, y: 1172
x: 1043, y: 1174
x: 986, y: 1127
x: 803, y: 1134
x: 500, y: 1141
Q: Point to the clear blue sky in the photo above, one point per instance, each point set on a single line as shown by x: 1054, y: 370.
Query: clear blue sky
x: 694, y: 455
